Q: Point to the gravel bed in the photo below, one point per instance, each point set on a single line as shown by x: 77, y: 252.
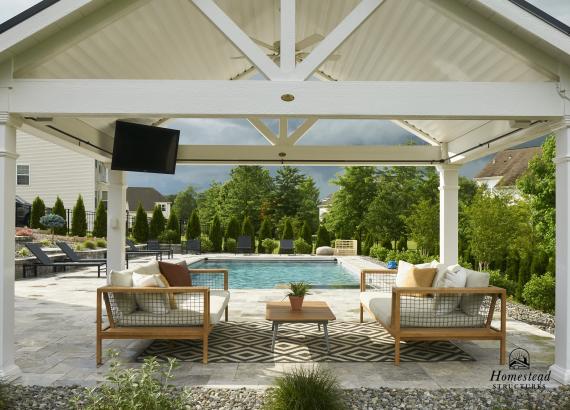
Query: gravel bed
x: 34, y: 397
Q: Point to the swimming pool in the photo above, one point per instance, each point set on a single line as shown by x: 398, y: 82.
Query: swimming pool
x: 267, y: 274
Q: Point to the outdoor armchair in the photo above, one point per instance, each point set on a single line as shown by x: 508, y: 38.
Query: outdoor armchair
x: 192, y: 246
x: 154, y: 245
x: 286, y: 246
x: 244, y: 245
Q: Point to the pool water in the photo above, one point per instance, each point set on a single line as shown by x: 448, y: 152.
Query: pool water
x: 269, y: 274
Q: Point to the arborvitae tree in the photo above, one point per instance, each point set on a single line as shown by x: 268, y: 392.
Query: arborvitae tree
x: 402, y: 244
x: 157, y: 223
x: 387, y: 243
x: 140, y: 227
x: 306, y: 233
x: 173, y: 224
x: 233, y: 229
x: 38, y: 210
x: 79, y: 218
x: 193, y: 230
x: 100, y: 224
x: 323, y: 237
x: 265, y: 231
x: 287, y: 230
x: 248, y: 230
x: 59, y: 209
x: 216, y: 234
x: 524, y: 275
x: 368, y: 243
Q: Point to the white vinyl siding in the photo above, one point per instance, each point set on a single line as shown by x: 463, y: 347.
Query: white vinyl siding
x: 57, y: 171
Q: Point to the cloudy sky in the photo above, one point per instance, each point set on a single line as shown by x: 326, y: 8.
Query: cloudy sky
x: 214, y: 131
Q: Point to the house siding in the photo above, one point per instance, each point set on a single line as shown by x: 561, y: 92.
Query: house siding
x: 55, y: 170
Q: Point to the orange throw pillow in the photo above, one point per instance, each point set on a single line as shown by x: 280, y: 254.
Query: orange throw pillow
x: 419, y: 277
x: 175, y: 274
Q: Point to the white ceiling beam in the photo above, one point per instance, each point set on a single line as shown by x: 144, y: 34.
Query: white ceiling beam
x: 489, y: 30
x: 283, y: 129
x: 417, y: 132
x: 309, y: 155
x: 243, y: 99
x: 287, y: 42
x: 73, y: 34
x: 264, y: 130
x: 301, y: 131
x: 237, y: 36
x: 335, y: 38
x: 72, y: 134
x: 486, y: 140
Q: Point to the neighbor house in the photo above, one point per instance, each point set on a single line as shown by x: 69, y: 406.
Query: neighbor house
x: 47, y: 170
x: 324, y: 206
x: 502, y: 172
x: 149, y: 198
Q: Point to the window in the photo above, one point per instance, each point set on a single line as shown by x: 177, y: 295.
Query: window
x: 163, y: 207
x: 22, y: 174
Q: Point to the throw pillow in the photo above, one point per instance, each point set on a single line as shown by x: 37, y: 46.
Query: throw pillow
x: 125, y: 302
x: 403, y: 268
x: 171, y: 297
x: 176, y: 274
x: 419, y: 278
x: 441, y: 269
x: 155, y: 303
x: 471, y: 304
x: 455, y: 277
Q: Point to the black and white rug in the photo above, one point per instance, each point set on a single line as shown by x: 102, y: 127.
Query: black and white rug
x: 250, y: 342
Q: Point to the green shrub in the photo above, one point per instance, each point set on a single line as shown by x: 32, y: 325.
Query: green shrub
x: 52, y: 222
x: 402, y: 244
x: 379, y: 252
x: 46, y: 243
x: 193, y: 230
x: 502, y: 281
x: 230, y: 245
x: 287, y: 230
x: 100, y: 223
x: 89, y: 244
x: 539, y: 291
x: 140, y: 227
x: 79, y: 218
x: 232, y: 230
x: 269, y: 245
x: 23, y: 252
x: 206, y: 244
x: 323, y: 237
x: 302, y: 247
x: 266, y: 230
x: 306, y: 233
x: 216, y: 233
x: 59, y: 209
x: 157, y: 223
x: 146, y: 388
x: 410, y: 256
x: 38, y: 210
x: 368, y: 244
x: 169, y: 236
x: 248, y: 230
x: 79, y: 247
x: 101, y: 243
x: 312, y: 388
x: 173, y: 224
x: 387, y: 243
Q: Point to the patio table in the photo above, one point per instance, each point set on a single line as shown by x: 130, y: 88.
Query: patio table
x: 318, y: 312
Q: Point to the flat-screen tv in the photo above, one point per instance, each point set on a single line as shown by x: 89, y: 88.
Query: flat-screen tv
x: 143, y: 148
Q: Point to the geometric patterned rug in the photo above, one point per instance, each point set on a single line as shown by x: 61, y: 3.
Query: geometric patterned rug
x: 250, y: 342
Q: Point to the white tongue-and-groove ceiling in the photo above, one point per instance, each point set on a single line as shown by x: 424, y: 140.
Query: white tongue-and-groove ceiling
x: 404, y: 40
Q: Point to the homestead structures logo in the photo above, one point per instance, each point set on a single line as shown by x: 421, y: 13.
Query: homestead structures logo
x: 519, y: 375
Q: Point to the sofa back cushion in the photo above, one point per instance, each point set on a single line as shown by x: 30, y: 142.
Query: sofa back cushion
x: 176, y: 274
x: 403, y: 269
x: 125, y: 302
x: 455, y: 277
x: 471, y: 304
x: 155, y: 303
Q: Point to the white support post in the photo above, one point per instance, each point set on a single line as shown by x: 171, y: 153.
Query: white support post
x: 448, y: 213
x: 116, y: 213
x: 8, y: 368
x: 287, y: 44
x: 561, y: 367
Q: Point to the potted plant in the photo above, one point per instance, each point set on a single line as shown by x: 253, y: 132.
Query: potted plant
x: 297, y: 293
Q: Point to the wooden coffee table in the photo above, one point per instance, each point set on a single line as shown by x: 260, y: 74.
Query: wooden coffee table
x: 318, y: 312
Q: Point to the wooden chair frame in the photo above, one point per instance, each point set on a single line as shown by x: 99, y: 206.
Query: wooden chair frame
x: 199, y: 332
x: 487, y: 332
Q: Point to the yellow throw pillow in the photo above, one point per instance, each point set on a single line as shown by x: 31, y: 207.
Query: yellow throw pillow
x: 418, y: 278
x: 171, y: 298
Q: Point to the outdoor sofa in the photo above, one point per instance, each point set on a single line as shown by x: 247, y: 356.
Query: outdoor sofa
x: 457, y: 303
x: 159, y: 300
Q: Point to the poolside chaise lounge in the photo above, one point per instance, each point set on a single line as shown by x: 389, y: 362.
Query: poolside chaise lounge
x: 42, y: 259
x: 73, y: 256
x: 192, y: 246
x: 244, y: 245
x: 154, y: 245
x: 286, y: 246
x: 159, y: 300
x: 457, y: 303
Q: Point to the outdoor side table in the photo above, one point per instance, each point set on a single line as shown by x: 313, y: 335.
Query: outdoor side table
x: 318, y: 312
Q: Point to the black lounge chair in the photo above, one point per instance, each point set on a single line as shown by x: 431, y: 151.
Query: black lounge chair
x: 44, y: 260
x: 286, y: 246
x: 192, y: 246
x: 134, y: 251
x: 73, y: 256
x: 244, y: 244
x: 154, y: 245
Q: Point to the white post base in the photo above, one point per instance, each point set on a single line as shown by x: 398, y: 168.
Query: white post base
x: 560, y: 374
x: 10, y: 373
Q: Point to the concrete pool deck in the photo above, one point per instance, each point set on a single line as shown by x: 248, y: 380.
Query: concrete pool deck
x: 55, y: 341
